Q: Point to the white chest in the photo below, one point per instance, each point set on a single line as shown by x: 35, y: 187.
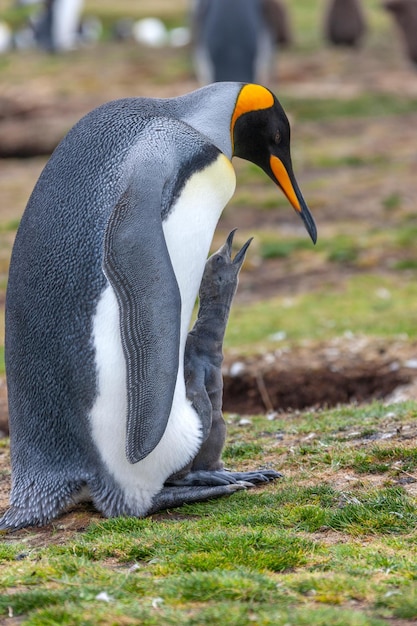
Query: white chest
x: 190, y: 226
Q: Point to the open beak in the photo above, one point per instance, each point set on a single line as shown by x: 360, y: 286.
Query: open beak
x: 226, y: 249
x: 289, y: 186
x: 238, y: 260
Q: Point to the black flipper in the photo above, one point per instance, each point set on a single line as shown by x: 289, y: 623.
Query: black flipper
x: 138, y: 267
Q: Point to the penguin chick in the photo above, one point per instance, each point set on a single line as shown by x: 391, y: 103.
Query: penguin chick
x: 204, y: 349
x: 344, y: 23
x: 276, y: 16
x: 405, y: 14
x: 203, y: 373
x: 103, y: 279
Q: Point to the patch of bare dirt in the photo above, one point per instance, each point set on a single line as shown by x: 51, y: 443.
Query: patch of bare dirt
x: 342, y: 370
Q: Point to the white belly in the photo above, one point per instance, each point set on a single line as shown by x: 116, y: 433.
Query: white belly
x: 188, y: 232
x: 190, y: 227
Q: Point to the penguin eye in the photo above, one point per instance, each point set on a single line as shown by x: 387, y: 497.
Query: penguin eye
x: 277, y: 137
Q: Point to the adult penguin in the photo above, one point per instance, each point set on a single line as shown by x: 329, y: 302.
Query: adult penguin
x: 103, y: 278
x: 56, y: 29
x: 232, y: 41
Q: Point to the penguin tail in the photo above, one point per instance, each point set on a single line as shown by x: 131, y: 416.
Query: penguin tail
x: 16, y: 518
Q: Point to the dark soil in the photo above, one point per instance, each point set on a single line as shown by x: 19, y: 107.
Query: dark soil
x: 301, y: 388
x: 320, y: 375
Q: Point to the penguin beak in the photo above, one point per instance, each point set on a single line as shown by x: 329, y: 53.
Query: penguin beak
x: 229, y: 243
x: 286, y: 180
x: 238, y: 260
x: 226, y: 249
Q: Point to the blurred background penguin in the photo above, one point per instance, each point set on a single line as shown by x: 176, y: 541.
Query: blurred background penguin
x: 344, y: 23
x: 237, y: 39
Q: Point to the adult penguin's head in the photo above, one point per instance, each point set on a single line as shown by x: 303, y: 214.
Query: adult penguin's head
x: 261, y: 133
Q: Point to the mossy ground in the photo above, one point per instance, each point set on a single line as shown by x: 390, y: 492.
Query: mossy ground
x: 333, y: 542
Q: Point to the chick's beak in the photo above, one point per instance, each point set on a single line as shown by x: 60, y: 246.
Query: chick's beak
x: 290, y: 188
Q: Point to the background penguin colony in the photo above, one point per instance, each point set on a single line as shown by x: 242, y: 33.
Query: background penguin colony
x: 243, y: 34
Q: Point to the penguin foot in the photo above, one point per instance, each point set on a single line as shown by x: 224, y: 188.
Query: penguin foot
x: 224, y: 477
x: 172, y: 496
x: 258, y: 477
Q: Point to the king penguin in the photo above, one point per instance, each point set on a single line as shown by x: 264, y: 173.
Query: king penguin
x: 233, y: 40
x: 104, y: 274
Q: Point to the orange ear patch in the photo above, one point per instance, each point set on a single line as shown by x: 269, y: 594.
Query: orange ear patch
x: 251, y: 98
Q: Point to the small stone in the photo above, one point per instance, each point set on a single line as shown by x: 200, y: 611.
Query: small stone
x: 236, y: 369
x: 383, y: 293
x: 103, y: 596
x: 134, y: 568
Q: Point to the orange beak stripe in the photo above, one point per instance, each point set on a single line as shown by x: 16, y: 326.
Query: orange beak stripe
x: 282, y: 177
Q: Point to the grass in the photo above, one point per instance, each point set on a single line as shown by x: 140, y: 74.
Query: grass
x: 307, y: 550
x: 366, y: 304
x: 365, y: 105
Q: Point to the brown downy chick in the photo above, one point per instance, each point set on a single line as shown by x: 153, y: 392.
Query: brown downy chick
x: 344, y: 23
x: 405, y: 14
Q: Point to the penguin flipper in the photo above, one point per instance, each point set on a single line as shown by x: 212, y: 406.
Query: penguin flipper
x: 138, y: 267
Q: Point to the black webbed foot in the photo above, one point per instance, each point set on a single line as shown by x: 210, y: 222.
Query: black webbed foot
x: 224, y: 477
x: 257, y: 477
x: 173, y: 496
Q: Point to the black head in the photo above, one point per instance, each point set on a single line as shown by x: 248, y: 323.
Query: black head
x: 261, y: 134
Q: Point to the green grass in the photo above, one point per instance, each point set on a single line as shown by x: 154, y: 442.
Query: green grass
x: 305, y: 550
x: 381, y: 459
x: 364, y: 105
x: 366, y: 304
x: 278, y: 248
